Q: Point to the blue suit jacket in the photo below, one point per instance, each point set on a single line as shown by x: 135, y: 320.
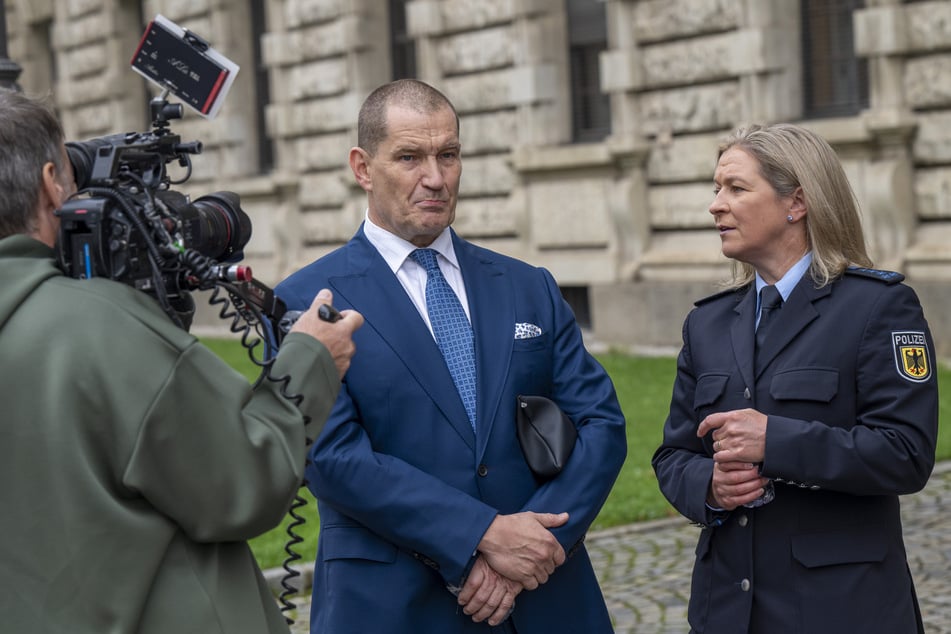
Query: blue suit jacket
x: 852, y: 425
x: 406, y: 489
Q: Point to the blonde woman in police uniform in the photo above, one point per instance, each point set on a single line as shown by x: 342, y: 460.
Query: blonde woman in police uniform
x: 791, y: 453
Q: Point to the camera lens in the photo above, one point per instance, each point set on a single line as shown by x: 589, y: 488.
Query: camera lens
x: 216, y: 226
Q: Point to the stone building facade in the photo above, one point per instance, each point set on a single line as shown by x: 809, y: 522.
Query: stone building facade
x: 620, y: 220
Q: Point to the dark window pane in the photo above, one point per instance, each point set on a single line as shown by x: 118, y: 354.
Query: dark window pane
x: 835, y: 81
x: 577, y: 298
x: 587, y: 38
x: 262, y: 88
x: 402, y: 48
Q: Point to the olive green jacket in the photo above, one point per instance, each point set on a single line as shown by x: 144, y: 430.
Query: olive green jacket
x: 134, y: 463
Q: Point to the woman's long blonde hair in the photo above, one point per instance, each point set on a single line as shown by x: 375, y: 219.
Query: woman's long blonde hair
x: 790, y: 156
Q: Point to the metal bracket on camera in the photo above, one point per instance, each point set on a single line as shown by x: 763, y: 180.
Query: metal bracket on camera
x: 195, y: 40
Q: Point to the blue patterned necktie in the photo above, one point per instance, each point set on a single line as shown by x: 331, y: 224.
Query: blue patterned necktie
x: 452, y: 329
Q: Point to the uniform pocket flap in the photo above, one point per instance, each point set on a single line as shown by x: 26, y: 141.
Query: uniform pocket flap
x: 355, y: 542
x: 805, y: 384
x: 830, y: 549
x: 709, y: 388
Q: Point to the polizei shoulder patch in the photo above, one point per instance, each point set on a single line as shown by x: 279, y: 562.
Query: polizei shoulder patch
x: 889, y: 277
x: 911, y: 355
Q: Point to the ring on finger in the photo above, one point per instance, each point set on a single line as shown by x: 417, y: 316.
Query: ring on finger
x: 717, y: 445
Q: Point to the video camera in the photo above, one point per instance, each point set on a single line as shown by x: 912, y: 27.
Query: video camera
x: 127, y: 223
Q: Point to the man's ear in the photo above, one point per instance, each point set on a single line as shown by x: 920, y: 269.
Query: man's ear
x: 51, y: 198
x: 360, y: 165
x: 51, y: 193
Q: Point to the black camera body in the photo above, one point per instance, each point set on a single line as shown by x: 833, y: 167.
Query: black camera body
x: 128, y: 225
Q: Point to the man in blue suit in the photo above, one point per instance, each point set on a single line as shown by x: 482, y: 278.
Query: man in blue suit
x: 431, y: 520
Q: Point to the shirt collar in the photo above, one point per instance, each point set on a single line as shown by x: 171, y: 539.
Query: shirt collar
x: 788, y: 282
x: 395, y: 249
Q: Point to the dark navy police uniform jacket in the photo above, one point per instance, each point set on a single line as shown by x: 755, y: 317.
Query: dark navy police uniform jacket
x: 850, y: 389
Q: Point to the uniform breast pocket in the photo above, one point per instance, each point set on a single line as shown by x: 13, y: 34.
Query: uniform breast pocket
x: 709, y: 391
x: 805, y: 384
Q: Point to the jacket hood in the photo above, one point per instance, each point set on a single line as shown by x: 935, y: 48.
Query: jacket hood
x: 25, y: 263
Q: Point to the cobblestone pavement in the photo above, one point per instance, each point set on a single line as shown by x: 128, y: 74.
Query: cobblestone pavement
x: 644, y: 569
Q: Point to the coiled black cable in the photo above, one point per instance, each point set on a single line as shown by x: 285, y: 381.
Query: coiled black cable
x: 245, y: 319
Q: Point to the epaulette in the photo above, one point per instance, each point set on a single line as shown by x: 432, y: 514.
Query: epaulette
x: 889, y: 277
x: 739, y: 292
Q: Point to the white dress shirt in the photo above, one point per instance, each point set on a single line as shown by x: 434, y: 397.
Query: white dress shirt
x: 412, y: 276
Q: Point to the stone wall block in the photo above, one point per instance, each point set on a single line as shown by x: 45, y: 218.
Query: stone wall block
x: 684, y: 159
x: 94, y: 119
x: 933, y: 193
x: 311, y: 43
x: 475, y: 51
x: 87, y: 60
x: 485, y: 217
x: 487, y: 175
x: 487, y: 132
x: 683, y: 206
x: 424, y: 18
x: 324, y: 115
x: 688, y: 61
x: 184, y: 12
x: 570, y: 210
x: 429, y: 17
x: 77, y: 8
x: 533, y: 84
x: 88, y: 29
x: 304, y: 12
x: 327, y: 151
x: 621, y: 70
x: 657, y: 20
x: 484, y: 91
x: 29, y: 11
x: 317, y: 79
x: 880, y: 31
x: 325, y: 189
x: 929, y: 25
x: 928, y: 81
x: 889, y: 208
x: 932, y: 142
x: 692, y: 109
x: 325, y: 227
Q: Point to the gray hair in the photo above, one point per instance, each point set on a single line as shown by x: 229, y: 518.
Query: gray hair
x: 30, y: 137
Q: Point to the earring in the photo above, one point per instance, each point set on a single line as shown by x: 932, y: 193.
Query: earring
x: 789, y: 218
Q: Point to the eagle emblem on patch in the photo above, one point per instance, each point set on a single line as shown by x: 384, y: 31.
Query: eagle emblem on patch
x: 911, y: 355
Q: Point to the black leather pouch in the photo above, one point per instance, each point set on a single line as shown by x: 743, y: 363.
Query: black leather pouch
x: 546, y: 435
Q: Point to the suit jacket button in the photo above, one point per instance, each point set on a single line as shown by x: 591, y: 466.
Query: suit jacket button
x: 483, y: 470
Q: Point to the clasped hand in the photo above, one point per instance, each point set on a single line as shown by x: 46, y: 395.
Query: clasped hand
x: 739, y: 446
x: 518, y: 552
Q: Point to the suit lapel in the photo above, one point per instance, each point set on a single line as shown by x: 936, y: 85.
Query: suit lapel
x: 741, y: 334
x: 370, y: 287
x: 797, y: 312
x: 492, y: 310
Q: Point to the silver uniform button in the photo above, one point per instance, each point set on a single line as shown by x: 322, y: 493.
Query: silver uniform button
x: 746, y: 394
x: 745, y: 585
x: 743, y: 520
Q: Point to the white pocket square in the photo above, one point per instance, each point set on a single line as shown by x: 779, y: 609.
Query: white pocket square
x: 527, y: 331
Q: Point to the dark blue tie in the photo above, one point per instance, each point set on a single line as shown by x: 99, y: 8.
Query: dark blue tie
x: 770, y: 301
x: 452, y: 329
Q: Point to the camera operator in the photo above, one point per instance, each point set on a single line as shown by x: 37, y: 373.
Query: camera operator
x: 135, y: 463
